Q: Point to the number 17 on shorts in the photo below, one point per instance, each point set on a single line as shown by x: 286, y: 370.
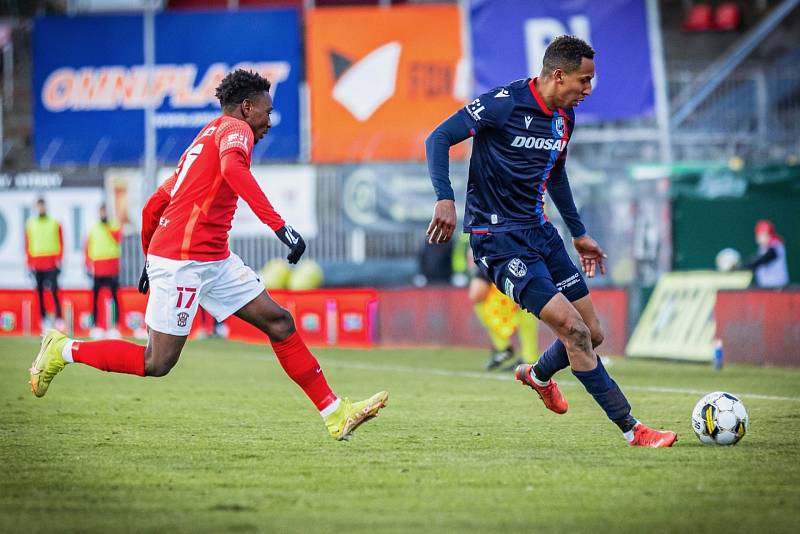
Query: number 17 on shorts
x: 186, y: 297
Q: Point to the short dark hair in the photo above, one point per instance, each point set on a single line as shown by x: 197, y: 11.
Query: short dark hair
x: 240, y: 85
x: 565, y: 52
x: 40, y: 200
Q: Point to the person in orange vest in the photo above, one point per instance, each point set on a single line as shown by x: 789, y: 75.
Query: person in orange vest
x: 44, y: 249
x: 102, y: 251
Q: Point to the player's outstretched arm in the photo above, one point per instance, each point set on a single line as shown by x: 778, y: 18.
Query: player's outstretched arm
x: 437, y: 150
x: 559, y: 190
x: 236, y: 172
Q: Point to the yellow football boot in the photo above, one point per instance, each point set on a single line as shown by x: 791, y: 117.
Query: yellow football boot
x: 48, y: 362
x: 349, y: 415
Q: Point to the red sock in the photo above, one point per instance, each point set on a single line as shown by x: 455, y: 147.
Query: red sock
x: 115, y: 355
x: 303, y: 368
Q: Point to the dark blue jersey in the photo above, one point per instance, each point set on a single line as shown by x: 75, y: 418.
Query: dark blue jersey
x: 518, y: 153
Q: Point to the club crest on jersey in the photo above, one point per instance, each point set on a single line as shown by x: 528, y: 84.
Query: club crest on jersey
x: 182, y: 318
x: 517, y: 267
x: 560, y: 126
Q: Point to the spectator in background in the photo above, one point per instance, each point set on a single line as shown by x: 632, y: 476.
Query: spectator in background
x: 102, y: 251
x: 769, y: 262
x: 44, y: 249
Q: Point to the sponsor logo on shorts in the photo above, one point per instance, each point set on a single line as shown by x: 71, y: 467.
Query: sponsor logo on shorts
x: 182, y: 318
x: 517, y: 267
x: 569, y: 282
x: 509, y: 288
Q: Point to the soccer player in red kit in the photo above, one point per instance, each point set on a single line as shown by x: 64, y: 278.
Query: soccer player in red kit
x: 185, y: 226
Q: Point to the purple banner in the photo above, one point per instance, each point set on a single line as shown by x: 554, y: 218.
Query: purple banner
x: 509, y: 39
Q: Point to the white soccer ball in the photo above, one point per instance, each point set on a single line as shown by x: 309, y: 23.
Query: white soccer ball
x: 719, y: 418
x: 727, y: 260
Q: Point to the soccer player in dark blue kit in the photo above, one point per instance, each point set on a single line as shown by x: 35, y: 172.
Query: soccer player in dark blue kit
x: 521, y: 132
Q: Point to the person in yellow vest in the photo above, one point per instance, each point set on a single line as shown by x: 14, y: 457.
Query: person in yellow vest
x: 499, y: 315
x: 44, y: 249
x: 102, y: 251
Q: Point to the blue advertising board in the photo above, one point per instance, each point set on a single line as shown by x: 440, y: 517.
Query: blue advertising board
x: 90, y: 85
x: 509, y: 39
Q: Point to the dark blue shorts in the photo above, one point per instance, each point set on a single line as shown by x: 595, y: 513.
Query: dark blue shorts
x: 529, y: 265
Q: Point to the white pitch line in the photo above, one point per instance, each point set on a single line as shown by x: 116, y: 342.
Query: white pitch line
x: 432, y: 371
x: 509, y: 377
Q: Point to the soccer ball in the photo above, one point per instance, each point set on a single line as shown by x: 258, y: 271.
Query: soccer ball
x: 727, y: 260
x: 719, y: 418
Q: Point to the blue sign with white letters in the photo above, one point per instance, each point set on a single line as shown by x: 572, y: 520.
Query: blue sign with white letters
x: 90, y: 84
x: 509, y: 39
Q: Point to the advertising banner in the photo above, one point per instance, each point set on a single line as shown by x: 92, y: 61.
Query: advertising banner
x: 378, y: 87
x: 509, y: 39
x: 759, y: 326
x: 678, y: 321
x: 391, y: 197
x: 90, y: 83
x: 324, y: 317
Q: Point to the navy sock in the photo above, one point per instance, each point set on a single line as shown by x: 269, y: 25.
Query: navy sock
x: 608, y: 395
x: 551, y: 361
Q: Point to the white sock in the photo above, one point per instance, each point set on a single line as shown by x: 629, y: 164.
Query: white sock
x: 536, y: 380
x: 629, y: 434
x: 329, y: 409
x: 66, y: 351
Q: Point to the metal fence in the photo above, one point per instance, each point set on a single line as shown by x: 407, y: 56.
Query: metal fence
x: 754, y: 114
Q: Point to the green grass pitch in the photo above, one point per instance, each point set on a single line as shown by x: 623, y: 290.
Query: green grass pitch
x: 227, y: 442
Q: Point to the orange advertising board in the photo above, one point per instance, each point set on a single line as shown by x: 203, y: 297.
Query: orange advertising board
x: 381, y: 80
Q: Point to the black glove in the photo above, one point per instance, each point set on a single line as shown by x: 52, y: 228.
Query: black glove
x: 293, y: 240
x: 144, y: 281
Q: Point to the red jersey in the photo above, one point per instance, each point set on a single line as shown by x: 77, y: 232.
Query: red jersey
x: 189, y: 216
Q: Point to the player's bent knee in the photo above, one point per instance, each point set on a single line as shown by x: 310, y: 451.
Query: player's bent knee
x: 161, y: 364
x: 578, y: 335
x: 158, y: 370
x: 597, y: 337
x: 281, y: 326
x: 159, y: 367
